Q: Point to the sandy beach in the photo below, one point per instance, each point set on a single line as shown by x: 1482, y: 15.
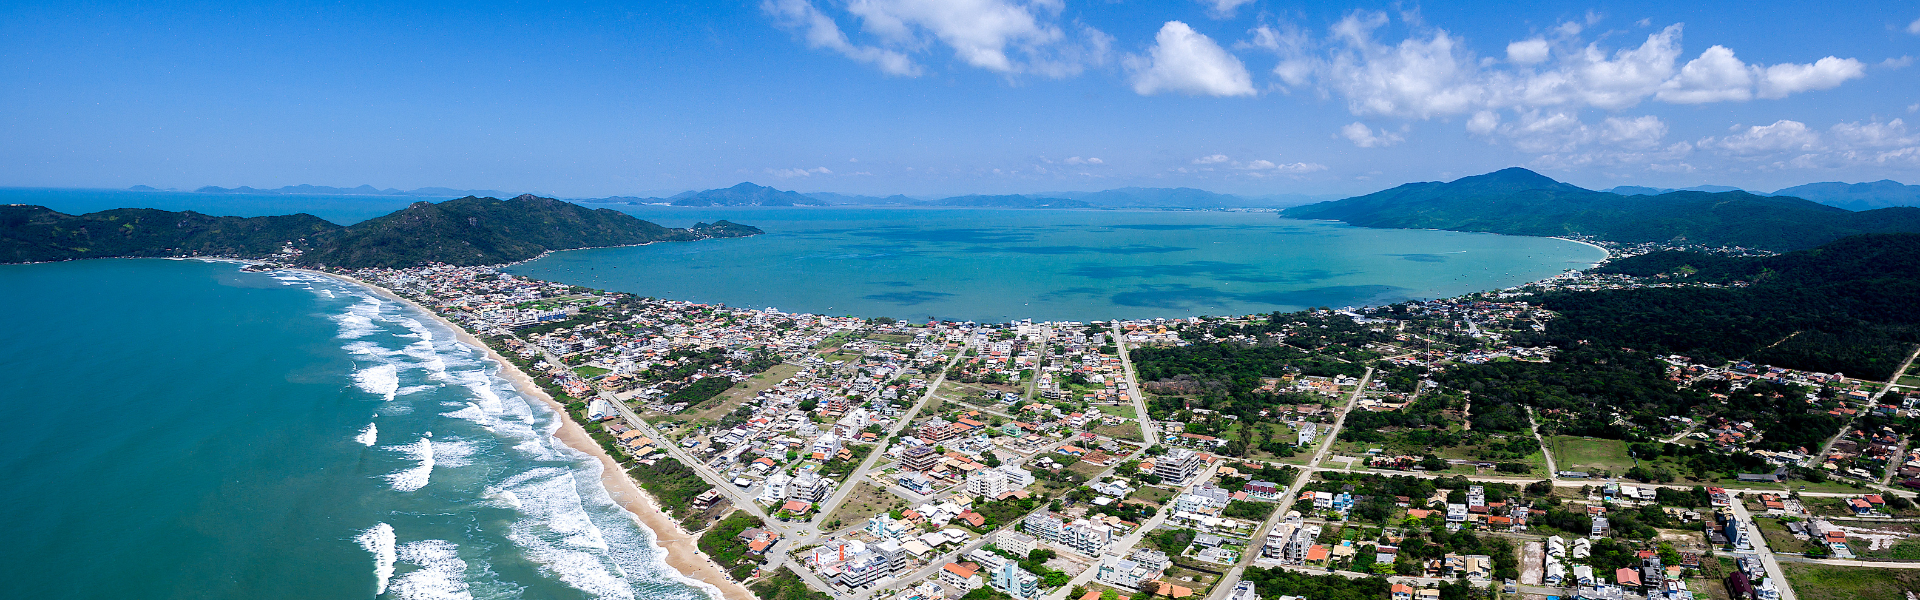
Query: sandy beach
x: 683, y: 552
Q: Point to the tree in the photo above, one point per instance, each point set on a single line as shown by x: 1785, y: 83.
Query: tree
x: 1109, y: 594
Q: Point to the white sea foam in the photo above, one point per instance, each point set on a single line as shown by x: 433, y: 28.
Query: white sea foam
x: 557, y: 532
x: 442, y: 575
x: 381, y: 380
x: 378, y: 539
x: 416, y: 477
x: 368, y: 436
x: 357, y: 322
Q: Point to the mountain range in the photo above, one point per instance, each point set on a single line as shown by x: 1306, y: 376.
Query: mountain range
x: 322, y: 190
x: 464, y: 231
x: 1521, y: 202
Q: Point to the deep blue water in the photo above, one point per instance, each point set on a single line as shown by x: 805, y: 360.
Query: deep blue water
x: 180, y: 429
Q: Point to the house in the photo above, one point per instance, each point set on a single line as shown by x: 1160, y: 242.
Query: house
x: 1401, y: 591
x: 1627, y: 577
x: 962, y: 577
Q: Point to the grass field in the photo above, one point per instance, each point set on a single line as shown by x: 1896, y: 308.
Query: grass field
x: 1125, y: 431
x: 1590, y: 454
x: 1823, y: 582
x: 865, y: 501
x: 589, y: 371
x: 744, y: 391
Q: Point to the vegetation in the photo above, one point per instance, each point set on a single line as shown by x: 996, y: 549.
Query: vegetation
x: 466, y: 231
x: 1277, y: 582
x: 783, y: 584
x: 1516, y: 201
x: 1251, y: 511
x: 1844, y: 307
x: 672, y: 483
x: 722, y: 542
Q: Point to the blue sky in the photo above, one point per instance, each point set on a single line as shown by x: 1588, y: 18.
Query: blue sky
x: 955, y: 96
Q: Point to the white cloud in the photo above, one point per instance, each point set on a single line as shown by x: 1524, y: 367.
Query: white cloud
x: 1914, y: 27
x: 1223, y: 9
x: 1528, y: 52
x: 1211, y: 159
x: 1365, y: 137
x: 1717, y: 76
x: 1856, y: 135
x: 1782, y: 135
x: 1901, y: 62
x: 799, y: 172
x: 1483, y: 122
x: 821, y: 32
x: 1640, y: 132
x: 1183, y: 60
x: 1004, y: 36
x: 1780, y: 80
x: 1432, y: 73
x: 1083, y: 161
x: 1293, y: 168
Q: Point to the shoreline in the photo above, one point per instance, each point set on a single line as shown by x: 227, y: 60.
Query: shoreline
x: 1606, y: 254
x: 679, y: 548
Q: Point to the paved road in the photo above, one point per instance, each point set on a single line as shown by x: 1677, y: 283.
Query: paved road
x: 880, y: 448
x: 1774, y: 572
x: 1123, y: 545
x: 1828, y: 448
x: 1147, y: 431
x: 1232, y: 577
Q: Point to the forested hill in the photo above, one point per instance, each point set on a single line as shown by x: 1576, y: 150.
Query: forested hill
x: 1844, y: 307
x: 38, y: 234
x: 1520, y: 202
x: 465, y: 231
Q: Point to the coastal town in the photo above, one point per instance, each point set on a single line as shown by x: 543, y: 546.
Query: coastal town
x: 1329, y: 453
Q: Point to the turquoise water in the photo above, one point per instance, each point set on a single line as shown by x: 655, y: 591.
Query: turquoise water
x: 999, y: 265
x: 180, y: 429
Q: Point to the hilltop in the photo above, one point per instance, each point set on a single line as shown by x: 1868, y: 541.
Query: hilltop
x: 465, y: 231
x: 1521, y: 202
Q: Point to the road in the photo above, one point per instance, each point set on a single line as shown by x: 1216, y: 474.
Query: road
x: 880, y: 448
x: 1774, y: 572
x: 1123, y: 545
x: 1828, y: 448
x: 1553, y: 471
x: 1232, y: 577
x: 1147, y: 431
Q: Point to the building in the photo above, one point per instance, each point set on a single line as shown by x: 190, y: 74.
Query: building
x: 961, y: 577
x: 1150, y: 558
x: 987, y: 483
x: 1243, y: 591
x: 1178, y: 466
x: 1015, y: 581
x: 1123, y: 573
x: 917, y: 483
x: 919, y: 458
x: 878, y: 561
x: 1019, y: 544
x: 776, y: 489
x: 1082, y: 536
x: 809, y: 487
x: 936, y: 430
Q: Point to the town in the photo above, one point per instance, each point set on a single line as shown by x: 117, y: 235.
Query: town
x: 1350, y: 453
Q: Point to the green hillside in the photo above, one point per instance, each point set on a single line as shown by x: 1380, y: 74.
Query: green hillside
x: 1520, y: 202
x: 465, y: 231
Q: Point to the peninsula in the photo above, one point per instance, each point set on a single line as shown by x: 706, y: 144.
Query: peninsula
x: 464, y: 231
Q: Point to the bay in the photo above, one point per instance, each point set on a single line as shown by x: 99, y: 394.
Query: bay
x: 1000, y: 265
x: 182, y: 429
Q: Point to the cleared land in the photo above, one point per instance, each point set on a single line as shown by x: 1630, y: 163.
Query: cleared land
x: 744, y: 391
x: 1590, y: 454
x: 865, y: 501
x: 1823, y: 582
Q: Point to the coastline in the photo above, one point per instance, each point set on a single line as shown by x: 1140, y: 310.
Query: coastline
x: 680, y: 547
x: 1605, y: 254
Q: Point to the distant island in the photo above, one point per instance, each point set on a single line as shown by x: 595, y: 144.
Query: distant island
x: 466, y: 231
x: 1517, y: 201
x: 322, y: 190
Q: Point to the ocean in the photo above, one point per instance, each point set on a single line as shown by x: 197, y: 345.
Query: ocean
x: 182, y: 429
x: 1082, y: 265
